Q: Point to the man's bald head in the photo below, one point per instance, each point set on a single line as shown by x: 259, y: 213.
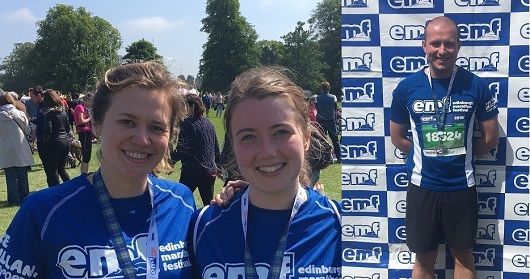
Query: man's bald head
x: 439, y: 21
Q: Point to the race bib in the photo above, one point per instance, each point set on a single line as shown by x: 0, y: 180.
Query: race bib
x: 449, y: 142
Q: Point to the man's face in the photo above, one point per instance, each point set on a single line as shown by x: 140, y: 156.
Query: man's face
x: 441, y: 46
x: 37, y: 98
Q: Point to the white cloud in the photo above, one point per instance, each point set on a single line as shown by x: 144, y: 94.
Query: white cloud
x: 22, y: 15
x: 153, y: 24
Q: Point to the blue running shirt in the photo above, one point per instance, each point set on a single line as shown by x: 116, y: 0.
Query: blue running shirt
x: 313, y: 248
x: 59, y: 232
x: 412, y: 104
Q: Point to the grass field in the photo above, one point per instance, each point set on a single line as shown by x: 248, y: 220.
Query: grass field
x: 329, y: 177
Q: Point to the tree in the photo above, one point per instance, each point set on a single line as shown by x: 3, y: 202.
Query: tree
x: 325, y: 23
x: 303, y: 56
x: 73, y: 48
x: 230, y: 48
x: 18, y: 68
x: 141, y: 50
x: 271, y: 52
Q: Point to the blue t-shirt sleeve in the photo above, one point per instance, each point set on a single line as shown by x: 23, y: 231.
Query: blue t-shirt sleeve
x: 487, y: 106
x: 398, y: 110
x: 22, y: 249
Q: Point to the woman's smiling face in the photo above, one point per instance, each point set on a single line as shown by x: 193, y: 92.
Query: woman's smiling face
x: 269, y: 144
x: 134, y: 133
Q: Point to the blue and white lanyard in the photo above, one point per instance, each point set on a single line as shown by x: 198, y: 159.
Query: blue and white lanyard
x: 114, y: 228
x: 152, y: 239
x: 440, y: 115
x: 301, y: 198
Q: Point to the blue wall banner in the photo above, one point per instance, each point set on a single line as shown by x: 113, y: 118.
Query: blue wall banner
x: 381, y: 45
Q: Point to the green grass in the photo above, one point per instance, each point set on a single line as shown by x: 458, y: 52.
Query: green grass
x: 329, y: 177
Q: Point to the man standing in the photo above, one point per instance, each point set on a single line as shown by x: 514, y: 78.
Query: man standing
x: 440, y: 104
x: 326, y: 104
x: 36, y: 95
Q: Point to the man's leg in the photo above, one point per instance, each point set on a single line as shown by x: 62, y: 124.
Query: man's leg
x: 423, y: 226
x: 464, y: 263
x: 460, y: 226
x: 424, y: 265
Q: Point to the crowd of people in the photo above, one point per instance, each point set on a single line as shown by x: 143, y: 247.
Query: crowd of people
x: 44, y: 122
x: 136, y: 113
x: 275, y: 143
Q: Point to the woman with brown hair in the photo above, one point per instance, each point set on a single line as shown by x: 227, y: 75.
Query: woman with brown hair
x: 56, y: 138
x: 276, y: 227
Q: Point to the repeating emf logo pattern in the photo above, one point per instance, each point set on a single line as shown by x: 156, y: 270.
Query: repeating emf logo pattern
x: 382, y: 46
x: 363, y: 150
x: 519, y: 61
x: 518, y: 122
x: 411, y: 6
x: 517, y: 180
x: 402, y: 61
x: 483, y: 29
x: 357, y: 30
x: 365, y: 203
x: 362, y: 92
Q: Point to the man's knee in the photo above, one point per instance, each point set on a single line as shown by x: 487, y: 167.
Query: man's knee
x: 427, y: 259
x: 464, y: 258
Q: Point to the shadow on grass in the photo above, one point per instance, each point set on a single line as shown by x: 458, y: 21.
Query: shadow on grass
x: 36, y: 167
x: 4, y: 204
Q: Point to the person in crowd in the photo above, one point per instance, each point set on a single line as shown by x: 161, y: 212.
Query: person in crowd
x: 326, y: 104
x: 15, y: 149
x: 441, y: 194
x: 56, y: 138
x: 36, y: 95
x: 83, y: 127
x: 207, y: 101
x: 275, y: 227
x: 198, y: 150
x: 31, y: 111
x: 72, y: 100
x: 31, y: 106
x: 113, y: 222
x: 18, y: 104
x: 219, y: 105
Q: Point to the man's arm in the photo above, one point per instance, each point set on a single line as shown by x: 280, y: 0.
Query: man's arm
x: 490, y: 136
x: 398, y: 134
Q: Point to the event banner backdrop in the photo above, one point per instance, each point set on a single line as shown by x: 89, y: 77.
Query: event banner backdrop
x: 381, y: 45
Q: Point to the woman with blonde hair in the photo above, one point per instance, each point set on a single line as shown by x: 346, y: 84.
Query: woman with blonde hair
x: 121, y: 221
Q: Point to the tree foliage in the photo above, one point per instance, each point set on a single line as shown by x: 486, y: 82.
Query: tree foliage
x: 302, y: 55
x: 74, y: 48
x: 325, y: 26
x: 18, y: 68
x: 231, y: 46
x: 271, y: 52
x: 141, y: 50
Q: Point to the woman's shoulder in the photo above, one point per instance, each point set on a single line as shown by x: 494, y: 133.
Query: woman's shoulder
x: 217, y: 212
x: 319, y: 202
x: 42, y: 205
x: 173, y: 190
x: 57, y: 194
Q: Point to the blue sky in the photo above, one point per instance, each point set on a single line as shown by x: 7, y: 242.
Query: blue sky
x: 173, y: 25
